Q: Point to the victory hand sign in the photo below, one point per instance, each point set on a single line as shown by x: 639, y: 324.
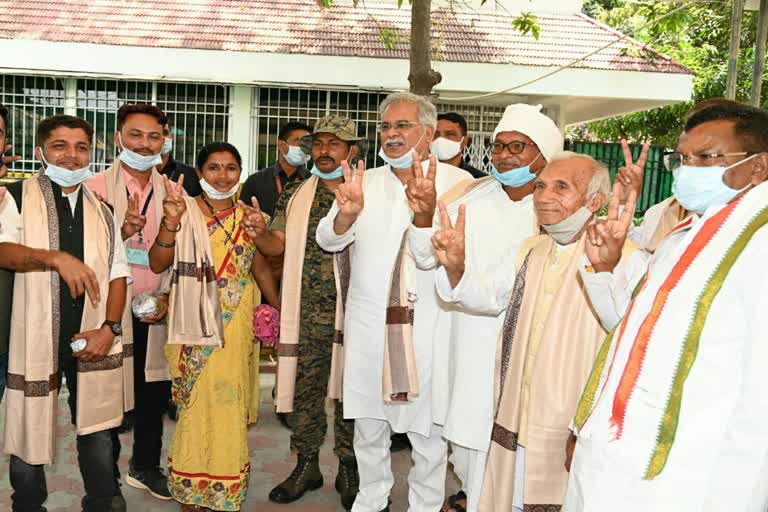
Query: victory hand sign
x: 605, y: 238
x: 448, y: 244
x: 421, y: 192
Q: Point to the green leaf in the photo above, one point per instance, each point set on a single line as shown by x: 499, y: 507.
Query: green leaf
x: 527, y: 23
x: 389, y: 38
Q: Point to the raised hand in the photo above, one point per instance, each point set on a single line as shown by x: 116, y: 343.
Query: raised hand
x: 6, y: 160
x: 349, y: 195
x: 420, y: 189
x: 253, y: 222
x: 174, y: 205
x: 605, y: 238
x: 134, y: 220
x: 630, y: 175
x: 448, y: 243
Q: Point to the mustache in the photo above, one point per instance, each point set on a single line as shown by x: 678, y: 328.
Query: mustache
x: 394, y: 140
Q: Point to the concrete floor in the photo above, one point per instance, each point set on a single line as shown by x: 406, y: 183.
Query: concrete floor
x: 271, y: 462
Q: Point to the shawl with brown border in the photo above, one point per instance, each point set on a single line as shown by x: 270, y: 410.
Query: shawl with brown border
x: 31, y: 399
x: 570, y: 339
x: 400, y: 380
x: 194, y: 313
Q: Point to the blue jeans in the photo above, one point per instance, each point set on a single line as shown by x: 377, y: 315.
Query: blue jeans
x: 3, y: 373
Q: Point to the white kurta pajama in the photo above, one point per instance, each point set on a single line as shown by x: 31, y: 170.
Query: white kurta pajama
x: 466, y: 342
x: 718, y: 458
x: 377, y: 236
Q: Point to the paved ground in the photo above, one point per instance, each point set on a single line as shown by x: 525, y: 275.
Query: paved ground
x: 271, y: 462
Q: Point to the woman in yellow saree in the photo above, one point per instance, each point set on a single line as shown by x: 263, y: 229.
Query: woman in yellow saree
x: 212, y: 357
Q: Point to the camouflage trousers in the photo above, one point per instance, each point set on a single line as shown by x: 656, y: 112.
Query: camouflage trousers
x: 308, y: 420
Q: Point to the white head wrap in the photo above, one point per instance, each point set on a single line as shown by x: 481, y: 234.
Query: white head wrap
x: 528, y: 120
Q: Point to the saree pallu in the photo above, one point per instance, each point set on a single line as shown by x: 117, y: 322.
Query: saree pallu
x: 216, y: 389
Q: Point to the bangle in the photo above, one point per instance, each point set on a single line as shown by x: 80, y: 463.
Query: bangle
x: 167, y: 246
x: 164, y: 223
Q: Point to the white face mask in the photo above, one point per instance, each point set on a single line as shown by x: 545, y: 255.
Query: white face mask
x: 445, y: 149
x: 295, y: 156
x: 136, y: 161
x: 64, y: 177
x: 215, y: 194
x: 567, y: 229
x: 167, y: 146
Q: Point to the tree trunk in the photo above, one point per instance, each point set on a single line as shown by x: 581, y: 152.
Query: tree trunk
x: 733, y: 54
x: 762, y: 33
x: 422, y: 77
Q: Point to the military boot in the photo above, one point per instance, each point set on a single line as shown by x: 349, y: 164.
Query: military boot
x: 306, y: 476
x: 347, y: 482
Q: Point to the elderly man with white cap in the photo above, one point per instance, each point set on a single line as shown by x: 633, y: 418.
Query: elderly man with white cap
x: 499, y: 218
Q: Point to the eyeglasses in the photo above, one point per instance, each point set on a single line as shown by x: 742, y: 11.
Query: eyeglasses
x: 515, y: 147
x: 400, y: 126
x: 674, y: 160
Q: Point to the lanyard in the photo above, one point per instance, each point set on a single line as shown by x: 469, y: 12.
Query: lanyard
x: 143, y: 210
x: 279, y: 185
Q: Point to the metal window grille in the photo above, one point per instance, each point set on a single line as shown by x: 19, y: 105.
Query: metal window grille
x: 197, y: 113
x: 29, y: 99
x: 273, y: 107
x: 98, y: 102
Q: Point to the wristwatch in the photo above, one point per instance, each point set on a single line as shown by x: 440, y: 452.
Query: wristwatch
x: 115, y: 327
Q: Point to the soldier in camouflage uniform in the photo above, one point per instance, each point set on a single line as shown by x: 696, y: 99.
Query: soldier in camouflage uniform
x: 334, y: 140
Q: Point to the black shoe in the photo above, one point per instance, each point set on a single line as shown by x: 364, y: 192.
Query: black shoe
x: 152, y: 480
x: 306, y: 476
x: 347, y: 482
x: 118, y: 500
x: 127, y: 424
x: 399, y: 442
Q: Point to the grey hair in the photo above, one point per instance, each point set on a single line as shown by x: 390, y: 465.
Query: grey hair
x: 427, y: 111
x: 601, y: 178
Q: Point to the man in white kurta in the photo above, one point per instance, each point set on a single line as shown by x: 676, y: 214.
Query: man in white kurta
x: 376, y: 236
x: 499, y: 218
x: 673, y: 416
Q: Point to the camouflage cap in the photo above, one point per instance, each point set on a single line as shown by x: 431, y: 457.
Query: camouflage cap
x: 342, y: 127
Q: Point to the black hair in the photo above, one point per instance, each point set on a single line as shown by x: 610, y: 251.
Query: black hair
x: 140, y: 108
x: 4, y: 117
x: 216, y: 147
x: 291, y: 127
x: 750, y: 123
x: 49, y: 124
x: 455, y: 118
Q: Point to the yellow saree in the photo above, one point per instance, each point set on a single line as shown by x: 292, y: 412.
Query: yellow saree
x: 217, y: 389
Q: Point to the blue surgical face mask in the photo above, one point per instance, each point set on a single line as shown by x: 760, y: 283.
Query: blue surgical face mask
x: 167, y: 146
x: 295, y: 156
x: 515, y: 177
x: 64, y: 177
x: 401, y: 162
x: 698, y: 188
x: 136, y: 161
x: 333, y: 175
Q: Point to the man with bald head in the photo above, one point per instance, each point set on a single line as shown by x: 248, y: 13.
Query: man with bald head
x: 548, y: 339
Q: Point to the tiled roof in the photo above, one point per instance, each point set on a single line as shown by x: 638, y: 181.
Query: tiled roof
x: 302, y: 27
